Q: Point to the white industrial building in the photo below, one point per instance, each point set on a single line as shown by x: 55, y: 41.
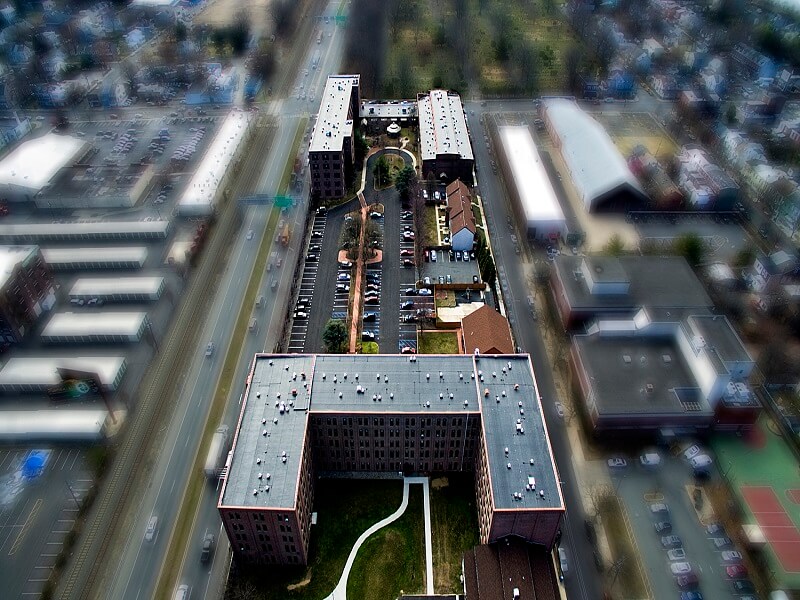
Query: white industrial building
x: 81, y: 259
x: 597, y: 169
x: 537, y: 203
x: 89, y: 327
x: 85, y: 425
x: 203, y: 191
x: 37, y: 374
x: 32, y: 165
x: 33, y: 233
x: 118, y: 289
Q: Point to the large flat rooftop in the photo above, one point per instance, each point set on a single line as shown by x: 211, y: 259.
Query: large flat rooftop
x: 283, y: 389
x: 86, y: 324
x: 718, y: 335
x: 655, y: 282
x: 657, y: 379
x: 42, y: 371
x: 333, y: 124
x: 442, y: 126
x: 34, y: 162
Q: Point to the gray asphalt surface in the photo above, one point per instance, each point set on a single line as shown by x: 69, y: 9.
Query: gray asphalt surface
x: 585, y: 582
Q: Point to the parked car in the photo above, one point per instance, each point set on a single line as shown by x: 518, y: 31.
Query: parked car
x: 722, y: 542
x: 408, y: 263
x: 715, y: 529
x: 370, y: 316
x: 343, y: 277
x: 372, y: 300
x: 676, y: 554
x: 701, y: 462
x: 737, y: 571
x: 424, y: 292
x: 688, y: 581
x: 408, y: 235
x: 744, y: 586
x: 671, y: 541
x: 559, y: 409
x: 731, y: 556
x: 342, y: 287
x: 300, y: 315
x: 693, y: 595
x: 408, y: 350
x: 617, y: 463
x: 663, y: 527
x: 410, y: 292
x: 376, y: 215
x: 691, y: 452
x: 368, y: 336
x: 406, y: 252
x: 563, y: 565
x: 650, y: 459
x: 345, y: 263
x: 680, y: 568
x: 407, y: 304
x: 659, y: 508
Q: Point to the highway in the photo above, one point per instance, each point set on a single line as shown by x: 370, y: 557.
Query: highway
x: 137, y: 572
x: 584, y: 581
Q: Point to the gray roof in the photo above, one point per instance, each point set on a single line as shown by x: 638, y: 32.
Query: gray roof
x: 639, y: 362
x: 332, y: 124
x: 719, y: 335
x: 500, y: 430
x: 270, y: 376
x: 412, y: 383
x: 259, y: 437
x: 655, y: 281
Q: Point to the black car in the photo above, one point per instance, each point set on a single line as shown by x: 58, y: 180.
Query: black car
x: 410, y: 292
x: 368, y: 336
x: 370, y: 316
x: 208, y: 547
x: 372, y: 300
x: 744, y: 586
x: 312, y: 258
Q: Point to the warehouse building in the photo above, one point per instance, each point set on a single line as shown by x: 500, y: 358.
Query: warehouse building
x: 95, y: 258
x: 118, y: 289
x: 94, y: 328
x: 202, y: 193
x: 331, y: 152
x: 597, y: 169
x: 25, y: 426
x: 34, y: 164
x: 26, y: 291
x: 38, y: 374
x: 535, y: 201
x: 304, y: 415
x: 78, y: 231
x: 444, y: 138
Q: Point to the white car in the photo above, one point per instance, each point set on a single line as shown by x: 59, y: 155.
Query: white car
x: 250, y: 235
x: 152, y: 527
x: 680, y: 568
x: 676, y: 554
x: 559, y: 409
x: 691, y: 452
x: 701, y: 461
x: 210, y: 349
x: 617, y: 463
x: 424, y: 292
x: 731, y: 556
x: 659, y: 508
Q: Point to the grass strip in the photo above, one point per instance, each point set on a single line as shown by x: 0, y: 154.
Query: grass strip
x: 287, y: 170
x: 438, y: 343
x: 630, y: 578
x: 174, y: 556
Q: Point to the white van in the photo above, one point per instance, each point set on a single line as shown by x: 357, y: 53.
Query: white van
x: 183, y: 592
x: 650, y: 459
x: 433, y: 255
x: 253, y: 325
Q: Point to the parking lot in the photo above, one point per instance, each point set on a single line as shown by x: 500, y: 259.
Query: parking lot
x: 37, y: 511
x: 308, y: 280
x: 644, y: 491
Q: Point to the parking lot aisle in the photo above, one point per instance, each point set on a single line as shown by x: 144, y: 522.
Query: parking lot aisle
x: 305, y: 295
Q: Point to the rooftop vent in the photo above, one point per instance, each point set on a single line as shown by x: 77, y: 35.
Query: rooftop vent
x: 649, y: 388
x: 508, y: 466
x: 666, y: 358
x: 626, y: 358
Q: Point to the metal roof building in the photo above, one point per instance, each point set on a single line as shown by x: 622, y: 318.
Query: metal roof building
x: 202, y: 192
x: 32, y: 374
x: 598, y: 170
x: 53, y: 425
x: 443, y: 136
x: 31, y: 166
x: 299, y: 409
x: 21, y: 233
x: 108, y: 257
x: 94, y: 327
x: 536, y: 200
x: 118, y: 289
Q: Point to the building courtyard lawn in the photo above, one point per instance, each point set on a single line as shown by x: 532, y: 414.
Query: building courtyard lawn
x: 392, y: 560
x: 454, y: 528
x: 435, y: 342
x: 345, y: 509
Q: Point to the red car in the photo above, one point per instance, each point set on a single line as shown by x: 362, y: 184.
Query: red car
x: 736, y: 571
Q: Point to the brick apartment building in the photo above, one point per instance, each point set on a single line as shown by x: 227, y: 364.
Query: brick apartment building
x: 444, y: 138
x: 309, y: 415
x: 26, y: 291
x: 331, y: 150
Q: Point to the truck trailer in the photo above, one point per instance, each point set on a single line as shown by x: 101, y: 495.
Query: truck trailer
x: 217, y: 453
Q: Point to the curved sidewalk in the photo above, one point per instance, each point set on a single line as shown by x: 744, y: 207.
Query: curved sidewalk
x: 340, y: 591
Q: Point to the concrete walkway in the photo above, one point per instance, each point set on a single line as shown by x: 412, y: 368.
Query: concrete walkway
x: 340, y: 591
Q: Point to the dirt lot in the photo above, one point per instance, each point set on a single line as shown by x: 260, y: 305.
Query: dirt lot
x: 631, y: 129
x: 221, y: 13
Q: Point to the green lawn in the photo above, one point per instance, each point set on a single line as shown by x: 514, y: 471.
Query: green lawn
x: 392, y: 560
x: 429, y: 226
x: 345, y: 509
x: 438, y: 343
x: 454, y: 525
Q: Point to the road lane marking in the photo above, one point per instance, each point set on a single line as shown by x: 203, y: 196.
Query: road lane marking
x: 21, y: 535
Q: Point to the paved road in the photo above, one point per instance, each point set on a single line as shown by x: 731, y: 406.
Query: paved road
x: 585, y: 583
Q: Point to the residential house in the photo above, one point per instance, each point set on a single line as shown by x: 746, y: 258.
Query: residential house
x: 706, y: 185
x: 460, y: 217
x: 768, y: 274
x: 755, y: 64
x: 664, y: 86
x: 486, y: 331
